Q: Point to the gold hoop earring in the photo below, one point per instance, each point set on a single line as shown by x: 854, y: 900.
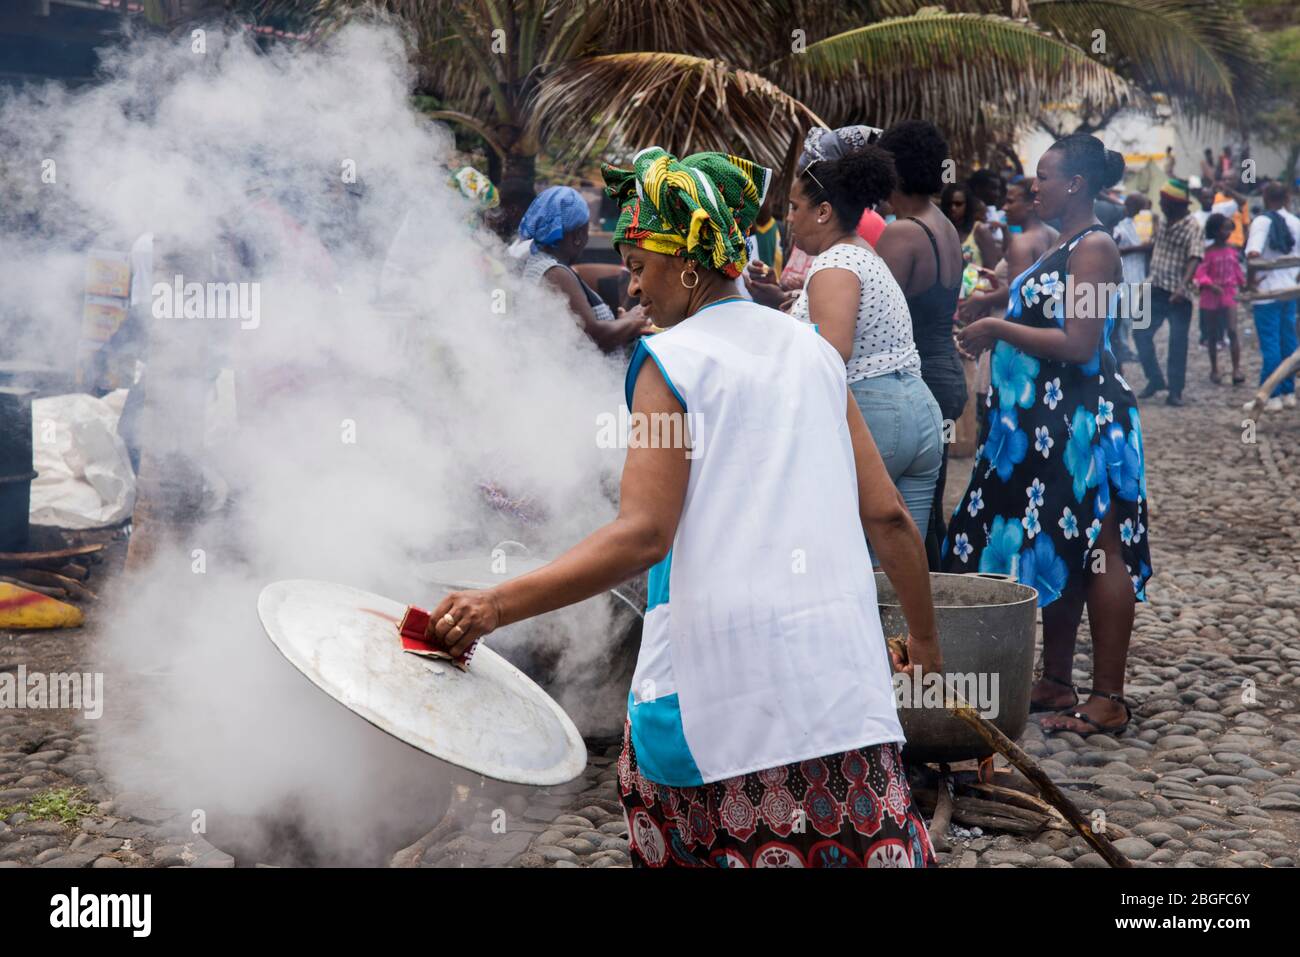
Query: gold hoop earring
x: 694, y: 275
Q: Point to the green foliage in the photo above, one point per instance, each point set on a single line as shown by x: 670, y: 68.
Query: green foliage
x: 1278, y: 119
x: 56, y: 804
x: 586, y: 75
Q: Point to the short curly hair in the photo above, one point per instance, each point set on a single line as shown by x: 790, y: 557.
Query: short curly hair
x: 850, y: 184
x: 919, y: 151
x: 1213, y: 224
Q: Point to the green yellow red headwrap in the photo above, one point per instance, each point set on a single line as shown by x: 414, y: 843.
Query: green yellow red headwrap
x: 699, y: 207
x: 1175, y: 189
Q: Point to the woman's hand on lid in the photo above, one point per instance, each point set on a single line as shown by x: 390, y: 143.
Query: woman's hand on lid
x: 462, y: 618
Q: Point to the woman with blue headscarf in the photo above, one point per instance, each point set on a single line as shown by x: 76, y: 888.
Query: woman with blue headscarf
x: 557, y: 224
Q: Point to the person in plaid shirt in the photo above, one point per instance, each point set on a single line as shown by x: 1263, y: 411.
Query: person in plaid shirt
x: 1178, y: 249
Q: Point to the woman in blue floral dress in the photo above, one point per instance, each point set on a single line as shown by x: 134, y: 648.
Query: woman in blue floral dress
x: 1057, y: 498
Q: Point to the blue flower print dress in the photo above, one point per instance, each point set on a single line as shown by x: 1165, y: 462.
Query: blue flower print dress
x: 1060, y: 447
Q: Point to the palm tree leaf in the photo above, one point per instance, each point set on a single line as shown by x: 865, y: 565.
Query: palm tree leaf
x: 735, y: 31
x: 955, y: 69
x: 680, y: 102
x: 1200, y: 53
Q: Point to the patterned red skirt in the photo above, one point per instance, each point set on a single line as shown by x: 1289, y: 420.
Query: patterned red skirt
x: 852, y: 809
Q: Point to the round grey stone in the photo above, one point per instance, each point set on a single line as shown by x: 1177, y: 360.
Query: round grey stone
x: 1135, y: 848
x: 553, y: 854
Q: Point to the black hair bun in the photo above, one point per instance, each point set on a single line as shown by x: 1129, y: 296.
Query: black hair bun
x: 1114, y: 168
x: 1086, y: 156
x: 919, y: 151
x: 866, y: 177
x: 851, y: 183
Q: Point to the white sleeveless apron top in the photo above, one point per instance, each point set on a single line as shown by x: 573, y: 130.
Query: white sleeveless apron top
x: 762, y: 642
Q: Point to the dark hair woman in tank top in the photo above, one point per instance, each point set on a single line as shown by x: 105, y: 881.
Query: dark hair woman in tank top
x: 1057, y: 497
x: 923, y: 251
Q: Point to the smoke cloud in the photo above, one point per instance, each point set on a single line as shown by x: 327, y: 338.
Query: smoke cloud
x: 394, y: 368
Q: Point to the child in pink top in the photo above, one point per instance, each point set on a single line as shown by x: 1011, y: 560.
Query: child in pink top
x: 1219, y: 276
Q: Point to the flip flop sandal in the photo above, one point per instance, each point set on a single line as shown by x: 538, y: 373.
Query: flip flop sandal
x: 1238, y: 381
x: 1112, y: 729
x: 1036, y: 707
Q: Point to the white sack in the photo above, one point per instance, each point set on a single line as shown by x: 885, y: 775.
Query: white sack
x: 84, y: 475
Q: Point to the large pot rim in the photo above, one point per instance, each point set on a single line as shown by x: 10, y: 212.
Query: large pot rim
x: 1030, y: 594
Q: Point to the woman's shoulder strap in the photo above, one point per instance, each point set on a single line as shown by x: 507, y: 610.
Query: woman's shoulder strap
x: 1070, y: 244
x: 934, y: 243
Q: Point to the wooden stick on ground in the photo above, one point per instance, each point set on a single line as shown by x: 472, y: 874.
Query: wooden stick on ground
x: 54, y: 580
x: 60, y: 555
x: 1015, y: 798
x: 1025, y: 765
x: 942, y: 813
x: 45, y: 590
x: 73, y: 570
x: 1010, y: 817
x: 1287, y: 366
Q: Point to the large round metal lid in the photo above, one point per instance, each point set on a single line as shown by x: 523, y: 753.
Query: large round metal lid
x: 491, y: 719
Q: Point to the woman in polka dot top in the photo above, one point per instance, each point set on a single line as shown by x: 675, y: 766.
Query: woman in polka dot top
x: 856, y: 304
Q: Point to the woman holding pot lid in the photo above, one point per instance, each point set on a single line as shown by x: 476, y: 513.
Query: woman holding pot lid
x: 761, y: 729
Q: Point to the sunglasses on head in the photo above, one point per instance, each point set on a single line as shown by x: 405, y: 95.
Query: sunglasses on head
x: 873, y: 133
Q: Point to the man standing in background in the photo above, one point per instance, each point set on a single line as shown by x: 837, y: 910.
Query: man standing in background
x: 1133, y: 260
x: 1273, y: 235
x: 1178, y: 249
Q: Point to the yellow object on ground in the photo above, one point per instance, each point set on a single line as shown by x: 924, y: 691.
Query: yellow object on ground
x: 22, y: 608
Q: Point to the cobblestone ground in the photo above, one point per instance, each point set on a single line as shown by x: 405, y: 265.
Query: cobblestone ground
x: 1203, y: 777
x: 1207, y: 775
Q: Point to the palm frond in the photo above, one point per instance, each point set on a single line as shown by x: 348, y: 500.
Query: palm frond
x: 1200, y: 53
x: 952, y: 68
x: 680, y: 102
x: 735, y: 31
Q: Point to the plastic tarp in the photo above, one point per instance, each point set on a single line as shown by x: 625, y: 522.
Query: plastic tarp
x: 84, y: 476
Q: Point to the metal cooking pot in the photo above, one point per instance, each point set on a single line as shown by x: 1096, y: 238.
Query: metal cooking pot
x: 986, y: 629
x: 356, y: 746
x: 16, y: 472
x: 375, y: 794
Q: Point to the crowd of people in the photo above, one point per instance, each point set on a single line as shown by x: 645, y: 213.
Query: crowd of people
x: 829, y: 353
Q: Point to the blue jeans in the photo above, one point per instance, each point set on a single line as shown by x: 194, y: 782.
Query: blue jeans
x: 1275, y: 324
x: 903, y: 418
x: 1179, y: 315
